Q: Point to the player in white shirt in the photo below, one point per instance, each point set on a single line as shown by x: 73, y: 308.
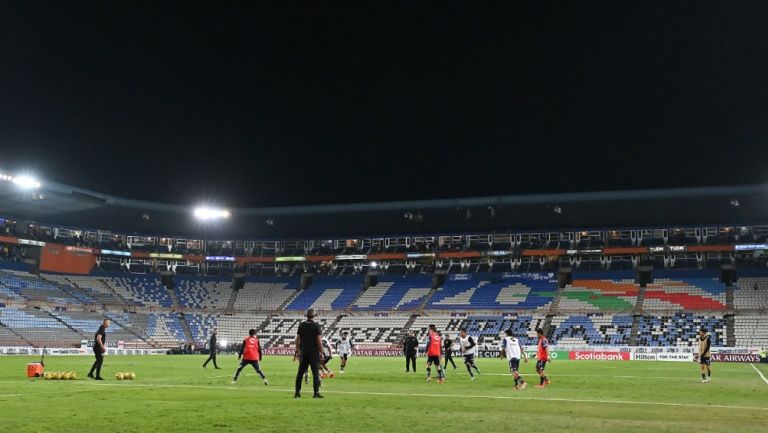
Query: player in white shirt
x: 511, y: 347
x: 327, y: 356
x: 468, y: 349
x: 344, y: 349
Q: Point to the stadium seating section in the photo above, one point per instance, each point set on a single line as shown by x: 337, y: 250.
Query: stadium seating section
x: 597, y: 308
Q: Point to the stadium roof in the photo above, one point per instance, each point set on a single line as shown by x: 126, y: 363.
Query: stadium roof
x: 57, y: 203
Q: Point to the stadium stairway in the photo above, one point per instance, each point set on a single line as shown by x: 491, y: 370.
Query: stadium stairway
x: 74, y: 291
x: 407, y: 327
x: 114, y: 292
x: 290, y: 299
x: 330, y: 329
x: 547, y: 325
x: 640, y: 301
x: 554, y: 307
x: 232, y: 299
x: 67, y: 325
x: 729, y: 298
x: 133, y: 331
x: 730, y: 330
x: 185, y: 327
x: 635, y: 328
x: 174, y: 299
x: 426, y: 300
x: 357, y: 298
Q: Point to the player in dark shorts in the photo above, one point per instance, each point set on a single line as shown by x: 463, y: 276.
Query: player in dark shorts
x: 705, y: 357
x: 99, y: 348
x: 434, y: 351
x: 448, y: 352
x: 542, y: 356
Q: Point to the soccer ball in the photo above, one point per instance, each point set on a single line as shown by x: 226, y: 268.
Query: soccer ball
x: 47, y: 375
x: 131, y: 375
x: 73, y: 375
x: 119, y: 376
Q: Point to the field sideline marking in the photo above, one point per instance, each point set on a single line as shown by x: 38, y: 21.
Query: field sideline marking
x: 491, y: 397
x: 760, y: 373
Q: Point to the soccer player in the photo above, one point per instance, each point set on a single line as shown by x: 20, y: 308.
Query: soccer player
x: 212, y: 349
x: 251, y: 353
x: 542, y: 356
x: 344, y: 348
x: 327, y: 355
x: 705, y: 360
x: 309, y: 350
x: 468, y: 348
x: 434, y: 351
x: 99, y: 348
x: 448, y: 349
x: 410, y: 350
x: 511, y: 347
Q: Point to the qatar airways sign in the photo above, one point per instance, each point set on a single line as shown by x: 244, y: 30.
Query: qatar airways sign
x: 599, y: 356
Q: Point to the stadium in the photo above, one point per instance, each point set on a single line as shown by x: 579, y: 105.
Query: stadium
x: 635, y: 297
x: 362, y: 218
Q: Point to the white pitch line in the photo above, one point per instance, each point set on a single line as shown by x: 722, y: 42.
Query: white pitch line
x: 578, y: 375
x: 760, y: 373
x: 460, y: 396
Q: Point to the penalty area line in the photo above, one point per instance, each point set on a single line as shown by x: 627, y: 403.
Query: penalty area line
x: 458, y: 396
x: 760, y: 373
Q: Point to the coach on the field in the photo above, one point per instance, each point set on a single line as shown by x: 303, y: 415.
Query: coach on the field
x: 309, y: 351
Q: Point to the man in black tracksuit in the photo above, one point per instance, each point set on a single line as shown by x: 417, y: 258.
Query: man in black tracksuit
x: 309, y: 349
x: 448, y: 350
x: 212, y: 349
x: 410, y: 350
x: 99, y: 348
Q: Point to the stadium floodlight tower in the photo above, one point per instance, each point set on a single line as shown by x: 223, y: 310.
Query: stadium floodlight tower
x: 205, y: 213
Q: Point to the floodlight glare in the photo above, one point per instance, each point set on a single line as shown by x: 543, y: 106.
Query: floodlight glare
x: 26, y: 182
x: 207, y: 213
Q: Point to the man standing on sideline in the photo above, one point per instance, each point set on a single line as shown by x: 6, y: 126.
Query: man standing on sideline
x: 410, y: 350
x: 309, y: 349
x: 99, y: 348
x: 251, y: 353
x: 448, y: 349
x: 212, y: 349
x: 705, y: 359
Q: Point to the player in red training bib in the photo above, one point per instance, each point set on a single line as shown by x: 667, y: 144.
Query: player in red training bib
x: 434, y: 352
x: 250, y: 351
x: 542, y: 356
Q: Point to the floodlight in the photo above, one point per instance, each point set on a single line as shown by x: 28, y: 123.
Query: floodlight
x: 26, y: 182
x: 207, y: 213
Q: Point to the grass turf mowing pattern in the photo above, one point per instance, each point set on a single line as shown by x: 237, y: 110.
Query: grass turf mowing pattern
x: 172, y: 393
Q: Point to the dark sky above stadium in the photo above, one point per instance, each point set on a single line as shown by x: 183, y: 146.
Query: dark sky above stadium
x: 283, y: 103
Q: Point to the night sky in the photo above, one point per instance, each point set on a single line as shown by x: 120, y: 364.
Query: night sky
x: 321, y: 102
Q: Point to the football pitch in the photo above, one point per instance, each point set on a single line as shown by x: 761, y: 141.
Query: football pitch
x: 173, y: 393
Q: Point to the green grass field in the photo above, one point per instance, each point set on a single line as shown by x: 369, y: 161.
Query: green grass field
x: 172, y: 393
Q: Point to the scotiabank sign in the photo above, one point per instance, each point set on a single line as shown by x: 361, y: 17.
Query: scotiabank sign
x: 599, y: 356
x: 734, y: 357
